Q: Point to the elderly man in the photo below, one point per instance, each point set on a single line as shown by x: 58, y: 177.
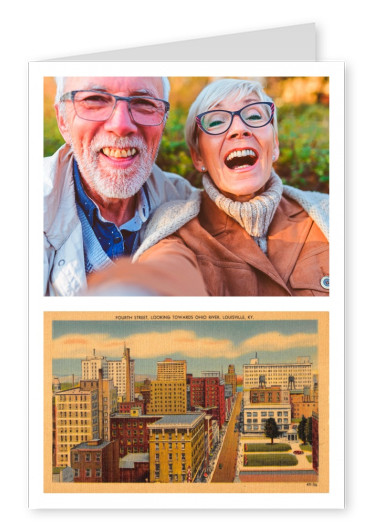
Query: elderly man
x: 102, y: 186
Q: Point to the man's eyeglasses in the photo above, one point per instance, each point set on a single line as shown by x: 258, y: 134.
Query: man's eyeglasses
x: 98, y: 106
x: 253, y: 115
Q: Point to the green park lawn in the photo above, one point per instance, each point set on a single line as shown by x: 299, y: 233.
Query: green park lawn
x: 309, y: 458
x: 270, y: 460
x: 306, y: 447
x: 266, y: 447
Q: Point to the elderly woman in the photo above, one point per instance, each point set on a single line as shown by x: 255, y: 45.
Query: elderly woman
x: 247, y: 234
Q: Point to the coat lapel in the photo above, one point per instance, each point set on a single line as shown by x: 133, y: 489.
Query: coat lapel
x: 237, y: 241
x: 287, y: 234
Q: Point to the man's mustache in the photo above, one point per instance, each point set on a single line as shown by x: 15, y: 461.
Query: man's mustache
x: 102, y: 141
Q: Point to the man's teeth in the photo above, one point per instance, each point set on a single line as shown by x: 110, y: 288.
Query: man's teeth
x: 241, y: 153
x: 119, y: 153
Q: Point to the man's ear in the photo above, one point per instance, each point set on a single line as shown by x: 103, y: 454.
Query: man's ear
x: 197, y: 160
x: 62, y: 125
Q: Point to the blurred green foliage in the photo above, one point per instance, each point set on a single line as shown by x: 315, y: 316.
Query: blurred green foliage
x: 303, y: 141
x: 304, y: 146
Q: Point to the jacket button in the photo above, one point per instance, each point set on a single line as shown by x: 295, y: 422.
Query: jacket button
x: 117, y: 240
x: 61, y: 262
x: 325, y: 282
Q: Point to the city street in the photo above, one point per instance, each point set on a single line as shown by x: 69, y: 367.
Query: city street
x: 226, y: 463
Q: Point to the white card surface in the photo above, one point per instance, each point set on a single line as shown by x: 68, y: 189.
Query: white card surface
x: 221, y: 56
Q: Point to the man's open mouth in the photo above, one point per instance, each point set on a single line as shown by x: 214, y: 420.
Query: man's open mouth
x: 116, y: 153
x: 241, y: 158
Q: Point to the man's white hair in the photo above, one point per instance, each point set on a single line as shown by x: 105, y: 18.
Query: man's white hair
x: 60, y: 85
x: 213, y: 94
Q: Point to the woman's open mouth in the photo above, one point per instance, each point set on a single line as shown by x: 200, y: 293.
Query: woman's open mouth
x: 241, y: 158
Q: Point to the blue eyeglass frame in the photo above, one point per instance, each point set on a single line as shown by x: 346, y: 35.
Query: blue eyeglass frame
x: 236, y: 113
x: 71, y: 95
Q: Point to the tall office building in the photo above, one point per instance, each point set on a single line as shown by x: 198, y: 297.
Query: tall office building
x: 295, y: 375
x: 122, y: 373
x: 107, y: 402
x: 171, y: 369
x: 77, y: 421
x: 176, y: 447
x: 167, y: 397
x: 90, y: 367
x: 230, y: 378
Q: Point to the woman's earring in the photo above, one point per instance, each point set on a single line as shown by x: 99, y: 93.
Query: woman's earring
x: 203, y: 168
x: 273, y: 158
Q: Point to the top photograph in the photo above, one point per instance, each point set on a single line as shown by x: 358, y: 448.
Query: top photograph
x: 186, y: 186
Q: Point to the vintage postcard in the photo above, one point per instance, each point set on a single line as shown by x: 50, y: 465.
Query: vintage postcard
x: 186, y: 402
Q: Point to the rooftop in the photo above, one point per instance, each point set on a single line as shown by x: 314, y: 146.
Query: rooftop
x: 128, y: 461
x: 96, y: 444
x: 186, y: 420
x: 75, y: 391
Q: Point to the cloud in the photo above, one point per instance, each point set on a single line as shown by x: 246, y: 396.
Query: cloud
x: 182, y: 342
x: 275, y: 341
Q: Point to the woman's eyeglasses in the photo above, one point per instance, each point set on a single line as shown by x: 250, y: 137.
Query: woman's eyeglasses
x: 254, y: 115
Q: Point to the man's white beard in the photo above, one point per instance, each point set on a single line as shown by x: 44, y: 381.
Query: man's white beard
x: 115, y: 183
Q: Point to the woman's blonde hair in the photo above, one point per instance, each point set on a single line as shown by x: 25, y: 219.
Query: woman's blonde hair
x: 216, y: 92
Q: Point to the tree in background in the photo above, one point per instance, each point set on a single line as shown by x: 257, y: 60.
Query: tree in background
x: 308, y: 430
x: 271, y: 429
x: 301, y: 429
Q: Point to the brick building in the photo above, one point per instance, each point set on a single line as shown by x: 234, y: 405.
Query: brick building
x: 303, y: 403
x: 96, y: 461
x: 131, y: 431
x: 134, y: 468
x: 126, y: 407
x: 315, y: 441
x: 208, y: 393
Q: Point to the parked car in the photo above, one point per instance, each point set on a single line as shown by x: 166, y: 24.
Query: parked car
x: 298, y: 452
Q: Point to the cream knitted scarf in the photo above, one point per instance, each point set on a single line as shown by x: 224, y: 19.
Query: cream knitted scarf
x: 255, y: 215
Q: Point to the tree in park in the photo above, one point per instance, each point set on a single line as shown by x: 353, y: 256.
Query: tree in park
x: 301, y: 429
x: 271, y: 429
x: 308, y: 430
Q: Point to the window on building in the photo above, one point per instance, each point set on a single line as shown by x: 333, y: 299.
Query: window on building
x: 76, y: 457
x: 88, y: 458
x: 88, y: 472
x: 263, y: 413
x: 76, y: 472
x: 98, y: 473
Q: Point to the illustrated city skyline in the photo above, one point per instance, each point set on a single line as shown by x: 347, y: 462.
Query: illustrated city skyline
x: 204, y: 345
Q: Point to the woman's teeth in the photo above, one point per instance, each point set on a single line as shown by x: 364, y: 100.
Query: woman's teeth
x: 119, y: 153
x: 241, y: 158
x: 241, y: 153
